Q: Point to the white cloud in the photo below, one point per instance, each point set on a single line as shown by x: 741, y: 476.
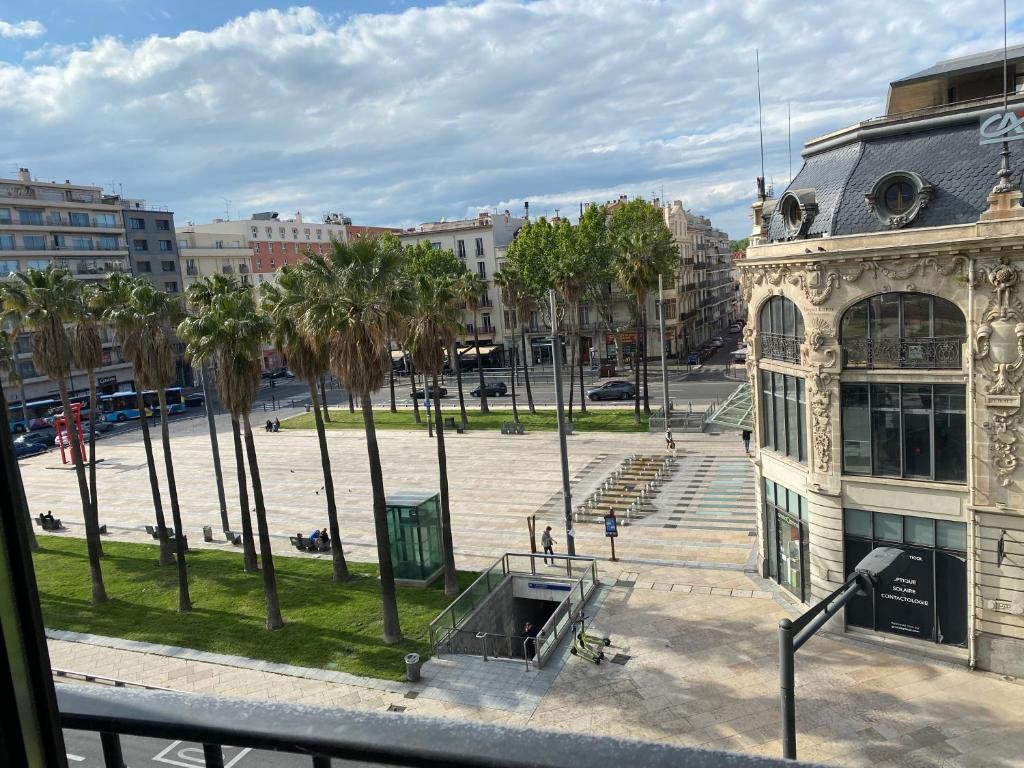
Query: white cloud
x: 21, y: 29
x: 401, y: 118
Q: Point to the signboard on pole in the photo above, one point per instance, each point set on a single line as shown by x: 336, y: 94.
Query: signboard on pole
x: 611, y: 525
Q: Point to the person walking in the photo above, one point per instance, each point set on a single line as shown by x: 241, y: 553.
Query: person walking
x: 746, y: 441
x: 670, y: 442
x: 277, y: 425
x: 548, y: 544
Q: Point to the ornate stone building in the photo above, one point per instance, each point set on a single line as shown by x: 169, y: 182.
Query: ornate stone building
x: 886, y: 317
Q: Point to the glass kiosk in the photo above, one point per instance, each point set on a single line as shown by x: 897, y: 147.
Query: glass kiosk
x: 414, y: 527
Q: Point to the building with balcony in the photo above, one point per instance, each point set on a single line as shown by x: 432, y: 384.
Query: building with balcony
x: 152, y: 243
x: 72, y: 226
x: 478, y: 243
x: 886, y: 322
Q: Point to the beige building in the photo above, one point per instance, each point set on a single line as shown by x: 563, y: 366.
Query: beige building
x: 69, y: 225
x: 203, y: 254
x: 886, y: 299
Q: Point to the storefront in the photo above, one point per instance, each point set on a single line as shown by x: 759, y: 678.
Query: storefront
x: 928, y: 601
x: 786, y: 523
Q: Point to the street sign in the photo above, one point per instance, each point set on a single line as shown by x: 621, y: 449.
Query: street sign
x: 611, y: 526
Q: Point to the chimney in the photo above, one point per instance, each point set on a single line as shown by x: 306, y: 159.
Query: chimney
x: 526, y: 205
x: 24, y: 175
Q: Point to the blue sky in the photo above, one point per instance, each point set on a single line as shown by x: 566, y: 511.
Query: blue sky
x: 398, y: 113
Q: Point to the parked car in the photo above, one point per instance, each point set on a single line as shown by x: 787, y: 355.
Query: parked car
x: 441, y: 392
x: 735, y: 328
x: 612, y: 390
x: 278, y: 373
x: 195, y: 400
x: 30, y: 448
x: 739, y: 356
x: 492, y: 388
x: 718, y: 342
x: 44, y: 436
x: 102, y: 427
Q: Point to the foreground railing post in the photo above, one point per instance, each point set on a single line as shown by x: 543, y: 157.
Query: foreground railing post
x: 319, y: 761
x: 787, y: 686
x: 112, y: 757
x: 213, y: 755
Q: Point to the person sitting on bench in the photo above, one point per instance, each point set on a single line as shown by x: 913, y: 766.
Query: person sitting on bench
x: 48, y: 517
x: 314, y: 535
x: 324, y: 538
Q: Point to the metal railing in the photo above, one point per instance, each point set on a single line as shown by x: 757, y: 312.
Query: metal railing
x: 927, y: 352
x: 777, y: 346
x: 370, y: 738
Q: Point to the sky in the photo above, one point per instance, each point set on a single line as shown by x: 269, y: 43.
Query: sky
x: 398, y: 113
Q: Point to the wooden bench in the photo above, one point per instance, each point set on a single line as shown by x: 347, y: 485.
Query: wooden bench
x: 512, y: 428
x: 49, y: 523
x: 170, y: 535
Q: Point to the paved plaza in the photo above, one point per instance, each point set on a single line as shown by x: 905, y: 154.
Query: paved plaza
x: 692, y: 626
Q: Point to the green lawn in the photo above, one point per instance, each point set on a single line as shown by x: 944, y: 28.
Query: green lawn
x: 327, y: 625
x: 594, y: 420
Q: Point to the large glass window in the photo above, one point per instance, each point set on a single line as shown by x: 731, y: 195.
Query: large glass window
x: 781, y: 328
x: 928, y: 600
x: 905, y: 430
x: 30, y: 217
x: 783, y: 420
x: 903, y: 330
x: 787, y: 540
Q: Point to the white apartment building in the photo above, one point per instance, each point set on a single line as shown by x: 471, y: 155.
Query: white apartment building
x: 69, y: 225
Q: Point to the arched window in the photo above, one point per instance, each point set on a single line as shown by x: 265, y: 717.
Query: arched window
x: 781, y: 328
x: 903, y: 330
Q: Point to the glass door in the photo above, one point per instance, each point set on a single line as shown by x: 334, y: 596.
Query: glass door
x: 788, y: 540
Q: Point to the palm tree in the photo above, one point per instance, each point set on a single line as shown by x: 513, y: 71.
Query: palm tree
x: 508, y: 281
x: 9, y: 373
x: 284, y: 303
x: 44, y: 300
x: 203, y: 295
x: 114, y: 297
x: 434, y: 319
x: 229, y: 326
x: 359, y: 295
x: 470, y: 288
x: 87, y: 355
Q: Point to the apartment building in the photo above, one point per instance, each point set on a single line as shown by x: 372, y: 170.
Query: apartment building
x: 886, y: 324
x: 152, y: 244
x: 715, y: 285
x: 478, y: 243
x: 69, y: 225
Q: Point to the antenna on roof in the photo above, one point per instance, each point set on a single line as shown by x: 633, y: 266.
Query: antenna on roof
x: 789, y: 136
x: 1004, y: 184
x: 760, y: 124
x: 1004, y: 57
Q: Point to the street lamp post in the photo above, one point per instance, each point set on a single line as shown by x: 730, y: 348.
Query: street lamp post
x: 882, y: 563
x: 556, y: 362
x: 664, y: 367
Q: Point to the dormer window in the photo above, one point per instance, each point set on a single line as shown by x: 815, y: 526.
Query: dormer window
x: 898, y: 197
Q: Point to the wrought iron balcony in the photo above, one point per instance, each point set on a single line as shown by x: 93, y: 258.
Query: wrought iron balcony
x: 367, y: 738
x: 925, y: 352
x: 776, y: 346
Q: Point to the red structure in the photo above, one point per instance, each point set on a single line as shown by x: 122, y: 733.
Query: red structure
x: 62, y: 427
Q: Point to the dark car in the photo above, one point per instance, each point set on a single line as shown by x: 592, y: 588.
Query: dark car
x: 43, y: 436
x: 278, y: 373
x: 29, y: 448
x: 195, y: 400
x: 612, y: 390
x: 493, y: 389
x: 441, y: 392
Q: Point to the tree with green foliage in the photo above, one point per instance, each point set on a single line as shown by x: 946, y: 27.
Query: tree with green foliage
x: 643, y: 249
x: 739, y: 245
x: 471, y: 289
x: 358, y: 302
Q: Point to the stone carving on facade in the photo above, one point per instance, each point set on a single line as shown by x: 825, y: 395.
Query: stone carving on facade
x: 821, y: 421
x: 904, y: 269
x: 820, y: 343
x: 999, y: 345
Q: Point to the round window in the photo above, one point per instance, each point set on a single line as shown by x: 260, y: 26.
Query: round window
x: 899, y: 196
x: 792, y: 213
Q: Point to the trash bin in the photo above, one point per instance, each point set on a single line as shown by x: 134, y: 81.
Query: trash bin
x: 449, y: 422
x: 207, y: 533
x: 307, y: 407
x: 412, y: 667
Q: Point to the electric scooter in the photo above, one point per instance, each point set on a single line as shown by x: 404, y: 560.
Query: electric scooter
x: 592, y: 639
x: 582, y: 649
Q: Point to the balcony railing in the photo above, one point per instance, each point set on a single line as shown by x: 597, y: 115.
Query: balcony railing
x: 192, y: 271
x: 927, y: 352
x: 366, y: 738
x: 776, y: 346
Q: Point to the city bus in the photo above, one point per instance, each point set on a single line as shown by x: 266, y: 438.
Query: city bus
x: 39, y: 414
x: 120, y: 406
x: 175, y: 400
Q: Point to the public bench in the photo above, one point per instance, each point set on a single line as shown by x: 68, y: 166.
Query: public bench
x: 170, y: 535
x: 304, y: 544
x: 512, y: 428
x: 49, y: 523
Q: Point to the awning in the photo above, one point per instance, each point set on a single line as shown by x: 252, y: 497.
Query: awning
x: 470, y: 351
x: 397, y: 354
x: 737, y: 412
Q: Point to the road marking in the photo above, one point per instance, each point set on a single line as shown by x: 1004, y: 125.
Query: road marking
x: 199, y: 760
x: 76, y: 758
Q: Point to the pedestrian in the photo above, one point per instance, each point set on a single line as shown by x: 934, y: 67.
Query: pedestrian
x: 270, y: 425
x: 530, y: 632
x: 548, y: 544
x: 746, y: 441
x: 670, y: 442
x: 277, y: 425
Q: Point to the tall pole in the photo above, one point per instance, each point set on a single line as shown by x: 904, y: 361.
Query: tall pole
x: 787, y: 688
x: 664, y: 366
x: 208, y: 405
x: 556, y: 361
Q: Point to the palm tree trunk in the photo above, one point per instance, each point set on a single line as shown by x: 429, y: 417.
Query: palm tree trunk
x: 166, y: 558
x: 389, y: 600
x: 412, y: 388
x: 351, y: 404
x: 248, y: 548
x: 457, y: 366
x: 184, y: 600
x: 451, y: 578
x: 579, y: 362
x: 92, y: 534
x: 526, y: 374
x: 274, y: 620
x: 391, y: 386
x: 647, y: 401
x: 572, y: 369
x: 340, y: 567
x: 636, y: 371
x: 515, y: 357
x: 480, y: 368
x: 323, y: 393
x: 33, y: 543
x: 211, y: 424
x: 94, y: 508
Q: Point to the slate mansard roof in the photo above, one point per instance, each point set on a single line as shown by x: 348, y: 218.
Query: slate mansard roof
x: 943, y: 151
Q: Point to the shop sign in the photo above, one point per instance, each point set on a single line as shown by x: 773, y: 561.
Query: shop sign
x: 1002, y: 401
x: 102, y: 380
x: 903, y: 605
x: 1005, y: 606
x: 1002, y: 126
